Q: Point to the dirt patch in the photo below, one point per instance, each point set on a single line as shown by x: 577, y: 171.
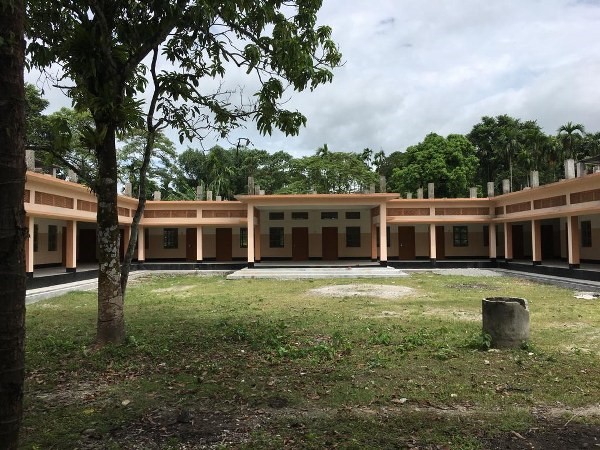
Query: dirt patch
x: 174, y: 289
x: 362, y: 290
x: 469, y: 316
x: 468, y: 272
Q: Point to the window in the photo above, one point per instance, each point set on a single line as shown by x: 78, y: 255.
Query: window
x: 329, y: 215
x: 461, y: 236
x: 170, y: 238
x: 352, y: 236
x: 352, y: 214
x: 243, y: 237
x: 35, y: 238
x: 387, y: 234
x: 276, y: 237
x: 276, y: 216
x: 486, y: 236
x: 586, y: 233
x: 299, y: 215
x: 52, y: 237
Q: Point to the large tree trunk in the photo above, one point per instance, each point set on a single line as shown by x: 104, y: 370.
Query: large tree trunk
x: 111, y: 320
x: 12, y: 221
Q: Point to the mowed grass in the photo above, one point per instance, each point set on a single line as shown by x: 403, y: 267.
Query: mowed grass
x: 266, y: 364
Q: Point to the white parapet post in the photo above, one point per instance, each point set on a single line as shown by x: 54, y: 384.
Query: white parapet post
x: 535, y: 178
x: 473, y: 192
x: 430, y: 190
x: 491, y: 190
x: 156, y: 195
x: 505, y: 186
x: 569, y: 169
x: 420, y: 193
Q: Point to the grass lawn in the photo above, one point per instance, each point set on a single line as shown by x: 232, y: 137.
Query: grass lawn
x: 248, y: 364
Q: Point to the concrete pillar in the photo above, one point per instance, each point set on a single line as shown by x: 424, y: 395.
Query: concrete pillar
x: 409, y: 195
x: 492, y: 241
x: 573, y: 241
x: 141, y: 256
x: 580, y: 169
x: 432, y: 243
x: 250, y: 216
x: 30, y: 159
x: 128, y: 190
x: 383, y: 234
x: 508, y: 245
x: 473, y: 192
x: 536, y: 242
x: 29, y: 247
x: 199, y: 249
x: 257, y: 189
x: 382, y: 183
x: 250, y: 185
x: 490, y: 189
x: 505, y: 186
x: 373, y: 242
x: 420, y: 193
x: 261, y: 192
x: 157, y: 195
x: 535, y: 178
x: 71, y: 256
x: 257, y: 253
x: 569, y: 169
x: 218, y: 198
x: 200, y: 192
x: 430, y: 190
x: 209, y: 196
x: 372, y: 188
x: 72, y: 176
x: 126, y: 238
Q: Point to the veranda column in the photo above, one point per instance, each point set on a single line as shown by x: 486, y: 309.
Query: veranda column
x: 536, y: 242
x: 71, y: 246
x: 432, y: 243
x: 383, y: 234
x: 126, y: 238
x: 29, y: 247
x: 508, y: 244
x: 492, y: 241
x: 373, y: 241
x: 141, y: 253
x: 250, y: 216
x: 199, y: 249
x: 573, y: 241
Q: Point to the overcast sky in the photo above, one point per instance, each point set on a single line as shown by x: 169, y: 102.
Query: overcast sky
x: 414, y: 67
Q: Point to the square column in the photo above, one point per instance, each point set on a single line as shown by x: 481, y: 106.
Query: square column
x: 199, y: 249
x: 508, y: 244
x: 141, y: 253
x: 492, y: 241
x: 71, y: 246
x: 383, y: 234
x: 432, y: 243
x: 29, y: 247
x: 536, y: 242
x: 573, y: 241
x: 250, y: 217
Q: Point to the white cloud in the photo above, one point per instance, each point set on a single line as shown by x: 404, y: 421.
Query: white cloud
x: 414, y: 67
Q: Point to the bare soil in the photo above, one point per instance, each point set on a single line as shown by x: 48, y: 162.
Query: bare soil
x: 362, y: 290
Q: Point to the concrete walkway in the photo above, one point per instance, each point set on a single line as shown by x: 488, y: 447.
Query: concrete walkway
x: 303, y: 273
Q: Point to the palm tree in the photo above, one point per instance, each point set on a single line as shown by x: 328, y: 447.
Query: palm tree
x: 569, y: 134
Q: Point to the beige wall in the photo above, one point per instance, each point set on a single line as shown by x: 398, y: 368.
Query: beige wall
x: 475, y: 248
x: 43, y: 256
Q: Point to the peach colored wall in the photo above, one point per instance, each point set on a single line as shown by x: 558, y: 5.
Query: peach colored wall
x: 590, y: 253
x: 43, y: 256
x: 155, y: 249
x: 475, y: 247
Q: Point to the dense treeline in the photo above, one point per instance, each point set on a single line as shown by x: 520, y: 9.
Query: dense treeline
x: 496, y: 148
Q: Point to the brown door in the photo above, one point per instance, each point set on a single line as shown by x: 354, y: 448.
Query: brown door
x: 190, y: 244
x: 87, y: 245
x: 518, y: 242
x: 300, y: 244
x: 440, y: 242
x: 64, y: 247
x: 224, y: 244
x: 329, y: 246
x: 547, y: 242
x: 406, y: 243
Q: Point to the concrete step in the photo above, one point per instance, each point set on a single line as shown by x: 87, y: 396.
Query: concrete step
x: 316, y: 273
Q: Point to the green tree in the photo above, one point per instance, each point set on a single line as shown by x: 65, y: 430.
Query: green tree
x: 36, y: 121
x: 451, y: 163
x: 101, y: 46
x: 570, y: 134
x: 13, y: 230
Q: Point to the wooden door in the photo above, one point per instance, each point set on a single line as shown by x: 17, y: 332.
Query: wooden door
x: 87, y: 245
x: 440, y: 242
x: 300, y: 243
x: 406, y: 243
x: 547, y: 241
x: 518, y: 242
x: 190, y: 244
x: 329, y: 245
x: 63, y: 260
x: 224, y: 245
